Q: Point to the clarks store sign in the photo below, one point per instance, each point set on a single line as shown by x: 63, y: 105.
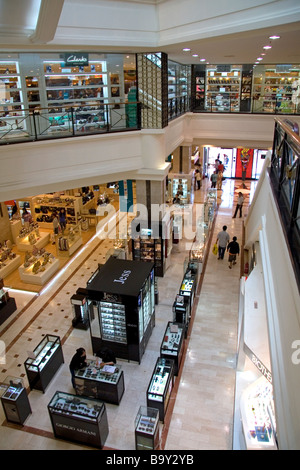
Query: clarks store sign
x: 75, y: 58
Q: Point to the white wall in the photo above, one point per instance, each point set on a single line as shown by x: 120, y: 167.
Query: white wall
x: 283, y: 310
x: 37, y: 167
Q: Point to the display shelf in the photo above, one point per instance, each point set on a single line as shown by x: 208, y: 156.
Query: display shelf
x: 78, y: 419
x: 147, y: 429
x: 182, y: 311
x: 46, y: 359
x: 45, y: 204
x: 80, y: 307
x: 105, y: 383
x: 14, y: 400
x: 67, y: 244
x: 258, y: 416
x: 160, y: 387
x: 113, y: 322
x: 15, y: 226
x: 9, y: 265
x: 23, y: 243
x: 40, y: 270
x: 223, y: 90
x: 172, y: 344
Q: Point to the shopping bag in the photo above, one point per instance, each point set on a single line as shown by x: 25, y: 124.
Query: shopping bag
x: 215, y: 249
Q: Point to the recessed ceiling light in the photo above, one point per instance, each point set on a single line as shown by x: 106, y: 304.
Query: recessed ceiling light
x: 186, y: 49
x: 274, y: 37
x: 267, y: 47
x: 195, y: 55
x: 259, y: 58
x: 202, y: 60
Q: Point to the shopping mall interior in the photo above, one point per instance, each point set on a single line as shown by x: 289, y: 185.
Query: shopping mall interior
x: 122, y: 173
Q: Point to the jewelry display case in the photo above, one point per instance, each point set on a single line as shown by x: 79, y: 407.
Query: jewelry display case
x: 14, y: 400
x: 44, y: 362
x: 188, y: 287
x: 105, y: 383
x: 182, y: 311
x: 78, y: 419
x: 80, y: 307
x: 160, y: 386
x: 172, y: 344
x: 147, y: 429
x: 123, y: 313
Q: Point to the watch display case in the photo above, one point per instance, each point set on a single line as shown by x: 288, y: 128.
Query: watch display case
x: 78, y: 419
x: 14, y: 400
x: 172, y: 344
x: 182, y: 311
x: 147, y: 429
x: 44, y: 362
x: 80, y: 307
x: 123, y: 313
x: 105, y: 383
x: 188, y: 287
x: 160, y: 386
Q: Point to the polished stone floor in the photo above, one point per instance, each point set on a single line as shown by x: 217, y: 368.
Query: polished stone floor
x: 200, y: 413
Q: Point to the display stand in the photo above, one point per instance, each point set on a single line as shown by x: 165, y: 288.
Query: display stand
x: 46, y: 359
x: 160, y: 386
x: 182, y: 311
x: 24, y: 245
x: 14, y: 400
x: 45, y: 204
x: 188, y: 287
x: 105, y: 383
x: 27, y: 275
x: 9, y: 265
x: 172, y: 344
x: 81, y: 306
x: 123, y: 314
x: 78, y: 419
x: 66, y: 245
x: 147, y: 429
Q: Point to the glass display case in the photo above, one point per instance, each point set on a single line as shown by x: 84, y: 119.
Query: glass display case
x: 105, y: 383
x: 14, y: 400
x: 182, y: 311
x: 80, y: 307
x: 172, y: 344
x: 160, y: 386
x: 188, y: 287
x: 78, y: 419
x: 147, y: 429
x: 43, y: 363
x: 223, y: 88
x: 123, y: 313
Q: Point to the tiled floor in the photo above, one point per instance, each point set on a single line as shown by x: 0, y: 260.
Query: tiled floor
x: 201, y: 407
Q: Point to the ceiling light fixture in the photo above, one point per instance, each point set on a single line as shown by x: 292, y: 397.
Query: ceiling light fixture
x: 202, y: 60
x: 259, y: 58
x: 186, y: 49
x: 274, y: 37
x: 195, y: 55
x: 267, y: 47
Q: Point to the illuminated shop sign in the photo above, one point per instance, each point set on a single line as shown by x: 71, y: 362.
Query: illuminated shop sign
x: 258, y: 363
x: 75, y: 59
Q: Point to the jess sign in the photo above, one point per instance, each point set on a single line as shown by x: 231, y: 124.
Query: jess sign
x: 74, y: 59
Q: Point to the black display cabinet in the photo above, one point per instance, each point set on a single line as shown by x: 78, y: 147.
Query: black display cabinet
x: 147, y: 429
x: 80, y: 306
x: 78, y: 419
x: 188, y: 287
x: 123, y: 314
x: 172, y: 344
x: 182, y: 311
x: 153, y: 244
x: 105, y: 383
x: 160, y: 386
x: 14, y: 400
x: 44, y: 362
x: 7, y: 304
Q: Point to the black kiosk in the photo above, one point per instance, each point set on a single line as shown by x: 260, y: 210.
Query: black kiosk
x: 123, y: 314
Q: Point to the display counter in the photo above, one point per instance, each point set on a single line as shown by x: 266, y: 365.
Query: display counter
x: 14, y: 400
x: 172, y: 344
x: 146, y: 429
x: 78, y: 419
x: 182, y: 311
x: 9, y: 265
x: 46, y: 359
x: 23, y: 243
x: 42, y: 275
x: 105, y: 383
x: 160, y: 386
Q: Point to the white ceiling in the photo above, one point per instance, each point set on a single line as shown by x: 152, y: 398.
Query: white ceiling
x: 67, y: 27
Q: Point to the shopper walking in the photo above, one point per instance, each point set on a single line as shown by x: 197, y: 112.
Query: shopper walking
x: 222, y: 241
x: 198, y: 178
x: 220, y: 180
x: 213, y: 179
x: 55, y: 222
x: 239, y: 206
x: 233, y: 249
x: 78, y: 361
x: 62, y: 219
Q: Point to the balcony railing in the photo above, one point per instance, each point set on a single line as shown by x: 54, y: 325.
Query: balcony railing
x: 60, y: 121
x: 285, y: 180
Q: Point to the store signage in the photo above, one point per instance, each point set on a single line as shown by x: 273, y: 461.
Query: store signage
x: 76, y: 58
x: 258, y: 363
x: 223, y: 68
x: 111, y: 298
x: 124, y: 276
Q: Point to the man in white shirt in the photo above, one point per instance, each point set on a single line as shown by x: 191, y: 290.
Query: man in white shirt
x: 239, y: 205
x: 222, y: 240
